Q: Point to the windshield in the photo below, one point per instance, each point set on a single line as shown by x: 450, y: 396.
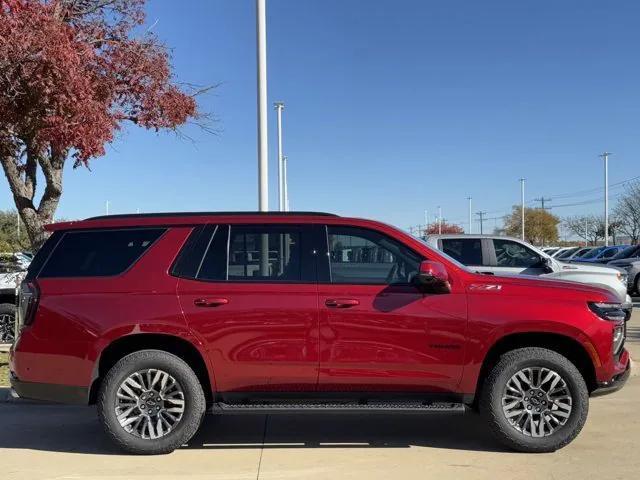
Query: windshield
x: 626, y: 253
x: 593, y: 252
x: 568, y: 253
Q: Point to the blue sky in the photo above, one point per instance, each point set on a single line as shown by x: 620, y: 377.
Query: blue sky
x: 392, y: 107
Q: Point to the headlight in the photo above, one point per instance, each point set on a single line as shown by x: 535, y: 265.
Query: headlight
x: 615, y: 312
x: 618, y: 338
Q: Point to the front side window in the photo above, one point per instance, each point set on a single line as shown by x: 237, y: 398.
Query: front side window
x: 514, y: 254
x: 98, y: 253
x: 361, y: 256
x: 467, y: 251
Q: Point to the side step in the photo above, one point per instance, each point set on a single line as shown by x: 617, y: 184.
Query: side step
x: 338, y: 407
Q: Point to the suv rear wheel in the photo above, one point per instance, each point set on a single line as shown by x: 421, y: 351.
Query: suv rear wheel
x: 535, y: 400
x: 151, y: 402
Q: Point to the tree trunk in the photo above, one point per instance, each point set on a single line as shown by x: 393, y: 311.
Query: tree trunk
x: 23, y: 188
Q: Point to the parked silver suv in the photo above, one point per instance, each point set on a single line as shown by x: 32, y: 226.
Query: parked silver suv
x: 510, y: 256
x: 629, y: 261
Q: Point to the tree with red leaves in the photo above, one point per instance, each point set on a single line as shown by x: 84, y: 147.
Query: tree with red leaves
x: 434, y: 228
x: 71, y: 73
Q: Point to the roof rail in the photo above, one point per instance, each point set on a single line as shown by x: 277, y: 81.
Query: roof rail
x: 199, y: 214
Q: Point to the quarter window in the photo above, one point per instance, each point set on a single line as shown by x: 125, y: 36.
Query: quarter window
x: 98, y: 253
x: 360, y: 256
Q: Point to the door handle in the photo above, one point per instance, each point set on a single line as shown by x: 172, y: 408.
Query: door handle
x: 210, y: 302
x: 341, y: 302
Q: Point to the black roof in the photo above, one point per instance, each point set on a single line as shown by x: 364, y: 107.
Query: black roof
x: 200, y: 214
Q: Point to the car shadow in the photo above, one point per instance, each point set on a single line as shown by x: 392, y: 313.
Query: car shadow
x: 76, y: 430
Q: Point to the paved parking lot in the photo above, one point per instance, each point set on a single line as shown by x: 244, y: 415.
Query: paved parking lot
x: 59, y: 442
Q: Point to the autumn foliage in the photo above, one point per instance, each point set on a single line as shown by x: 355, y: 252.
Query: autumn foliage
x: 434, y: 228
x: 71, y: 72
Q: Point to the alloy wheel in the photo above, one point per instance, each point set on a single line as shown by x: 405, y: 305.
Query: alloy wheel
x: 536, y: 401
x: 149, y: 403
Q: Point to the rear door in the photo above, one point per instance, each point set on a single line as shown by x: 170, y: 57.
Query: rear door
x: 251, y: 295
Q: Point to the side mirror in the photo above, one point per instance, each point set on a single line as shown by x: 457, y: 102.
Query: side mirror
x: 547, y: 264
x: 432, y: 278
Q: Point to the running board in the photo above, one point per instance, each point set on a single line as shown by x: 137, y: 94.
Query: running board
x: 338, y: 407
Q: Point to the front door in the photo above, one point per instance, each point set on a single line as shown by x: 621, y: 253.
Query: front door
x: 253, y: 300
x: 377, y: 331
x: 508, y: 257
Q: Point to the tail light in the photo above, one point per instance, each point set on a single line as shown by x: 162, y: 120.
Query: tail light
x: 28, y: 296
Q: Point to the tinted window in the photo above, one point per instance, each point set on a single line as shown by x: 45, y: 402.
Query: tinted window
x: 568, y: 253
x: 258, y: 253
x: 608, y: 253
x: 98, y: 253
x: 190, y: 256
x: 514, y: 254
x: 467, y: 251
x: 360, y: 256
x: 214, y: 264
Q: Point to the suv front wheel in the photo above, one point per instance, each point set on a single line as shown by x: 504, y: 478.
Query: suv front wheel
x: 151, y: 402
x: 535, y: 400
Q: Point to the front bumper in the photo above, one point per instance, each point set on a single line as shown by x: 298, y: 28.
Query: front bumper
x: 615, y: 384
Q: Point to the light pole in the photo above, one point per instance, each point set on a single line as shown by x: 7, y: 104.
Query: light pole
x: 439, y: 220
x: 605, y: 156
x: 263, y: 151
x: 522, y: 204
x: 469, y: 198
x: 279, y: 106
x: 285, y: 180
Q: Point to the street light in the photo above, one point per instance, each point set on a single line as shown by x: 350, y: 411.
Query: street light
x: 263, y: 150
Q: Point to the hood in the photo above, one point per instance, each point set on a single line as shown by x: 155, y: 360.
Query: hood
x: 543, y: 288
x: 587, y: 268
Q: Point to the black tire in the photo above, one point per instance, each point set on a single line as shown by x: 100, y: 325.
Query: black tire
x: 638, y: 284
x: 194, y: 402
x: 494, y: 385
x: 7, y: 322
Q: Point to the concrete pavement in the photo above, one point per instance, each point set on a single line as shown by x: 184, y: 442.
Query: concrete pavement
x: 59, y: 442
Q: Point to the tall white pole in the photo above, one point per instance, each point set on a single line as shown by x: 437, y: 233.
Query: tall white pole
x: 263, y: 150
x: 106, y: 207
x: 469, y: 198
x: 522, y: 204
x: 586, y: 231
x: 285, y: 180
x: 439, y: 220
x: 279, y: 106
x: 605, y: 156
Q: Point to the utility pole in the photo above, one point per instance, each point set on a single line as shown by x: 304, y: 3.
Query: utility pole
x: 439, y: 220
x: 469, y: 198
x: 106, y: 207
x: 285, y: 161
x: 263, y: 149
x: 279, y: 106
x: 605, y: 156
x: 522, y: 203
x: 542, y: 201
x: 481, y: 215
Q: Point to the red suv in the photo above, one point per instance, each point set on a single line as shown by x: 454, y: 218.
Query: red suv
x: 158, y: 318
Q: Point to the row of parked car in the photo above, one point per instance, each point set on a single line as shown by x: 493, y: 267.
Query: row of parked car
x: 505, y: 255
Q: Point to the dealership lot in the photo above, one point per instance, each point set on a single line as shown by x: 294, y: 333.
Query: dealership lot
x: 47, y: 441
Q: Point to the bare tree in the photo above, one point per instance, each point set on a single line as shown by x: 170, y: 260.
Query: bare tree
x: 588, y: 227
x: 627, y: 212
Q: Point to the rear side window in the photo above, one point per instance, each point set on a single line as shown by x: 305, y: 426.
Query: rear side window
x: 467, y: 251
x: 98, y: 253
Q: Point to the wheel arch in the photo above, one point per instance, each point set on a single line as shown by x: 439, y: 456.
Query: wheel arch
x: 565, y: 345
x: 175, y: 345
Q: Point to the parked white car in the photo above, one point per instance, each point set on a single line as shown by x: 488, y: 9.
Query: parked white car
x: 12, y: 271
x: 495, y: 255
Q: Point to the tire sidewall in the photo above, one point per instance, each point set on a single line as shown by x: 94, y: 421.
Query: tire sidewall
x: 193, y: 396
x: 579, y: 408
